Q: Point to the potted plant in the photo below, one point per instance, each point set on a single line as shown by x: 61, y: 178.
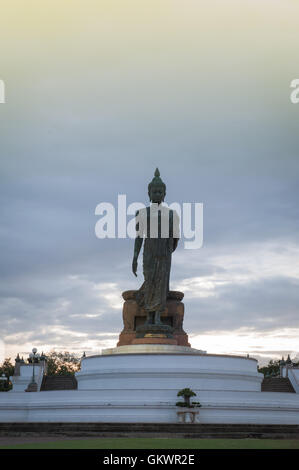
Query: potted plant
x: 187, y: 393
x: 188, y: 415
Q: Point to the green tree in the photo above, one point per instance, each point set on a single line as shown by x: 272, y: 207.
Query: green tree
x: 6, y: 368
x: 62, y: 363
x: 186, y: 393
x: 271, y: 369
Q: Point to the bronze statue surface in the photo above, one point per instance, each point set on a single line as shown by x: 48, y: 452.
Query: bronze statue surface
x: 158, y: 227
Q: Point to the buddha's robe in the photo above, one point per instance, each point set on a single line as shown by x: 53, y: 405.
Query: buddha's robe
x: 159, y: 226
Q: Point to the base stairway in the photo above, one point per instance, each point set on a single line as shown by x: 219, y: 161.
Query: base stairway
x: 167, y: 430
x: 58, y: 382
x: 277, y: 384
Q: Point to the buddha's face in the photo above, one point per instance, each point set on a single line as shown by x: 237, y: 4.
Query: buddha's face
x: 157, y: 194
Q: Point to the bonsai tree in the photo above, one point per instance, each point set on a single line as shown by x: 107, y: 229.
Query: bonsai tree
x: 187, y: 393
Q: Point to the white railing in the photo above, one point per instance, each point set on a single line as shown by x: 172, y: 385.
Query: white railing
x: 293, y: 374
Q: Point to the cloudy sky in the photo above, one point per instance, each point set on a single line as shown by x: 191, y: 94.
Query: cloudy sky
x: 99, y: 93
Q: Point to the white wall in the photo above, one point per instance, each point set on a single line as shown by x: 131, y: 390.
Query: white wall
x: 133, y: 406
x: 20, y: 382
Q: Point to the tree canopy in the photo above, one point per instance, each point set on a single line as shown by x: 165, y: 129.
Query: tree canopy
x: 6, y: 368
x: 58, y: 363
x: 62, y: 363
x: 273, y: 368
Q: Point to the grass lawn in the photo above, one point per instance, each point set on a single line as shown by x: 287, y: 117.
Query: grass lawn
x: 148, y: 443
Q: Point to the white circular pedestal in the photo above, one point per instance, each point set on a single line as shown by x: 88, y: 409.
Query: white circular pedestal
x: 164, y: 369
x: 139, y: 384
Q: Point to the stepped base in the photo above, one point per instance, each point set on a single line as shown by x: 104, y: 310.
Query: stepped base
x: 171, y: 325
x: 152, y: 349
x: 133, y: 385
x: 162, y: 430
x: 147, y: 370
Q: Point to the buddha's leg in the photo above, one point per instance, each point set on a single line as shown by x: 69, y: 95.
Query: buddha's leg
x: 158, y: 317
x: 150, y: 317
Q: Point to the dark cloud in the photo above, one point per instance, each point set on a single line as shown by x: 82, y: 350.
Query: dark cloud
x: 257, y: 306
x: 73, y: 136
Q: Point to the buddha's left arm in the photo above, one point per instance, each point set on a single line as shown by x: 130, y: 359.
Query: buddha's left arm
x: 176, y: 229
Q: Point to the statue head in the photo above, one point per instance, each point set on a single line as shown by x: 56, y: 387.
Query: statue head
x: 157, y: 189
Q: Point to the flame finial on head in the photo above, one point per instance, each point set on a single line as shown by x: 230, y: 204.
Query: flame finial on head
x: 157, y: 181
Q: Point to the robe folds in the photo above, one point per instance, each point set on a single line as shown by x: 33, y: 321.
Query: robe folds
x: 158, y: 225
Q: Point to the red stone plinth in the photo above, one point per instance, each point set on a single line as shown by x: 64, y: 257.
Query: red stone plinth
x: 134, y: 316
x: 151, y: 340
